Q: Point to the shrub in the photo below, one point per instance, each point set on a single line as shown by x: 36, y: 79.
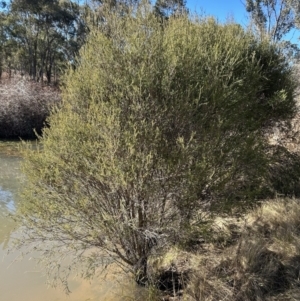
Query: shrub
x: 156, y: 121
x: 24, y: 107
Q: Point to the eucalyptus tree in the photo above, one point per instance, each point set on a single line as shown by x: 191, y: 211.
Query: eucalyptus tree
x: 7, y: 46
x: 167, y: 8
x: 274, y: 19
x: 49, y: 32
x: 2, y: 43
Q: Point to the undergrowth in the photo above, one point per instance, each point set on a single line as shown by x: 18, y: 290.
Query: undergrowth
x: 251, y: 258
x: 24, y: 107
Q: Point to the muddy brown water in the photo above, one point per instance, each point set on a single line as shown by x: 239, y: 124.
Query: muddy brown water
x: 24, y: 280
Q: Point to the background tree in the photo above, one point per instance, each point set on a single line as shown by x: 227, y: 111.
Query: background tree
x: 2, y: 43
x: 167, y: 8
x: 45, y: 33
x: 274, y: 19
x: 156, y: 123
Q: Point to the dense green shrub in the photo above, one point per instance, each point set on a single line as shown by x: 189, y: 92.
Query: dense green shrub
x: 156, y: 121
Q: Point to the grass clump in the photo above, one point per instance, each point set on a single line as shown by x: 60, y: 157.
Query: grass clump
x: 262, y: 264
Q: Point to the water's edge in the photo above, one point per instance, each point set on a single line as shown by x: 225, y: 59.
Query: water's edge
x: 23, y: 279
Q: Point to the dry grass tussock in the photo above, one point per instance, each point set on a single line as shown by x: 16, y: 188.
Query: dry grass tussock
x: 24, y: 107
x: 258, y: 258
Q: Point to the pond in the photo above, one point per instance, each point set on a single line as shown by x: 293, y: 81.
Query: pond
x: 23, y: 280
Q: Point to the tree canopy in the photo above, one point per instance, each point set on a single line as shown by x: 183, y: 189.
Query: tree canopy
x: 274, y: 19
x: 167, y: 8
x: 37, y: 37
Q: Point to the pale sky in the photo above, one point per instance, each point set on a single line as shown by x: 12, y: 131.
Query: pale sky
x: 224, y: 9
x: 221, y: 9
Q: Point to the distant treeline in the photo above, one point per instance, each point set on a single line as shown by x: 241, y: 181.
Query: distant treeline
x: 38, y: 38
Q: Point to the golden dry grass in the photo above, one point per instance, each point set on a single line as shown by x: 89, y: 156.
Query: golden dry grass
x: 260, y: 263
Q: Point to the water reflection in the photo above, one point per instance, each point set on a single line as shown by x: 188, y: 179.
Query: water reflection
x: 10, y: 181
x: 7, y: 202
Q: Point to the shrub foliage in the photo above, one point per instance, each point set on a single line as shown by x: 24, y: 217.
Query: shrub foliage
x: 157, y: 120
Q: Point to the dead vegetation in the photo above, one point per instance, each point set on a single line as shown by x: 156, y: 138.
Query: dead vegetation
x: 258, y: 258
x: 24, y: 107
